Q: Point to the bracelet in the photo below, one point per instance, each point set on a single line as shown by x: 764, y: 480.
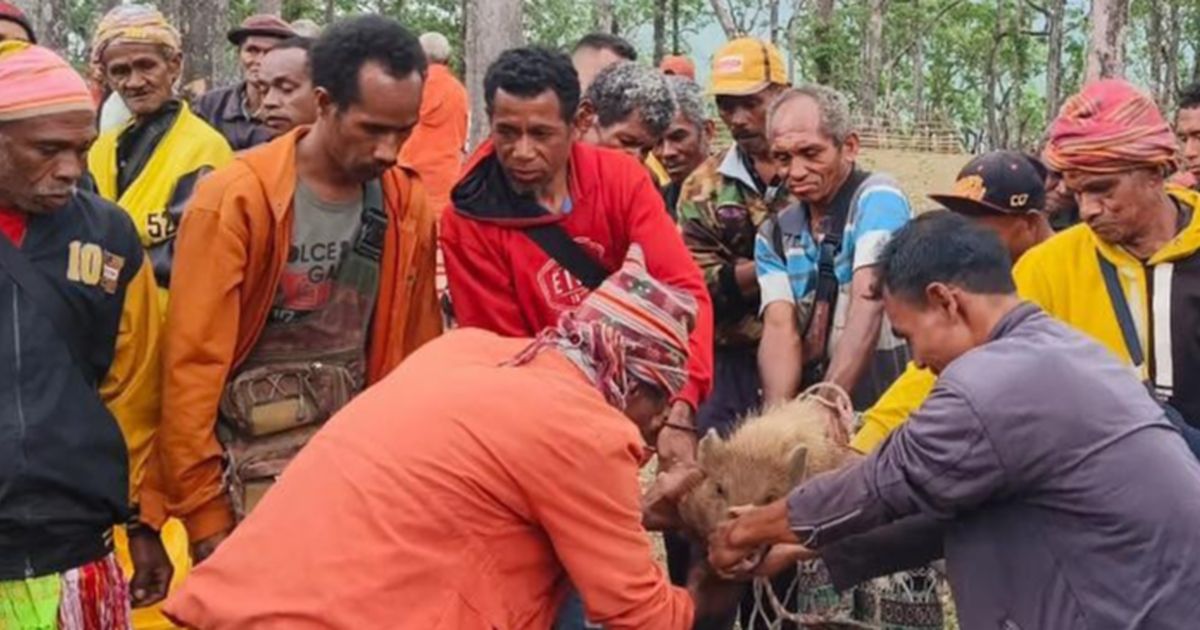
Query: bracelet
x: 681, y: 427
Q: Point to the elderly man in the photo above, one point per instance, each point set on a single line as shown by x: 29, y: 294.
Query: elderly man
x: 627, y: 108
x: 471, y: 512
x: 1130, y: 276
x: 685, y: 144
x: 79, y: 391
x: 539, y: 220
x: 234, y: 110
x: 1017, y: 468
x: 285, y: 82
x: 150, y: 165
x: 14, y: 24
x: 306, y: 274
x: 816, y: 260
x: 435, y: 150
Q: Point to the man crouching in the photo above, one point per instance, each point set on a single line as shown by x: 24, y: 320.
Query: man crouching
x: 473, y: 484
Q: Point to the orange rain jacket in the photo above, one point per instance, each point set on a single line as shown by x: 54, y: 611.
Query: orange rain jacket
x: 457, y: 494
x: 230, y: 252
x: 435, y: 149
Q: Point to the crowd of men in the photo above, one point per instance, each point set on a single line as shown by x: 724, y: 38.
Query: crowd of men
x: 285, y: 354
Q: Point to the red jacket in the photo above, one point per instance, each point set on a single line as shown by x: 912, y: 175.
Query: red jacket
x: 502, y: 281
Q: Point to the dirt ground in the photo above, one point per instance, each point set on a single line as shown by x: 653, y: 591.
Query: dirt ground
x: 918, y: 173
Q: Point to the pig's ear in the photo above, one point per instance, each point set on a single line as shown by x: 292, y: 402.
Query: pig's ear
x: 797, y: 463
x: 706, y: 450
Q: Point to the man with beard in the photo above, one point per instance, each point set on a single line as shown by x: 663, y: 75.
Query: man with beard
x: 235, y: 110
x: 306, y: 274
x: 79, y: 382
x: 150, y: 165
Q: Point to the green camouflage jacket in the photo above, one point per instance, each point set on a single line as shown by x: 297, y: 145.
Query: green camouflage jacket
x: 720, y: 210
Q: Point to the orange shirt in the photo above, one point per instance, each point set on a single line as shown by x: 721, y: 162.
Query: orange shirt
x: 435, y: 148
x: 456, y: 494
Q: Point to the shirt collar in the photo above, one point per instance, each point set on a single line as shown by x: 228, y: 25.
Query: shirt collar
x: 734, y: 167
x: 1014, y: 318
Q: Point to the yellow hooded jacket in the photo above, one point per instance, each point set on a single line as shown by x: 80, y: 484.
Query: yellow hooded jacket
x: 189, y: 147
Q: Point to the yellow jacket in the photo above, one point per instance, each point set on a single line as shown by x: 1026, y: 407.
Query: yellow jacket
x: 190, y: 146
x: 1063, y: 277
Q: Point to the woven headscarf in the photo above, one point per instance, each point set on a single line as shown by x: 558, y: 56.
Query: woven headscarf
x: 632, y: 328
x: 1110, y: 127
x: 133, y: 24
x: 35, y: 82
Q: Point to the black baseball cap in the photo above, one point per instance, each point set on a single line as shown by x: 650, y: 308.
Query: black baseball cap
x: 1000, y: 182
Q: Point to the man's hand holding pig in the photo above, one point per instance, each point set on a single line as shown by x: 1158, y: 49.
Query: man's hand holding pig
x: 737, y: 545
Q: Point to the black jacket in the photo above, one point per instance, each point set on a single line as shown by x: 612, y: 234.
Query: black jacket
x: 70, y: 398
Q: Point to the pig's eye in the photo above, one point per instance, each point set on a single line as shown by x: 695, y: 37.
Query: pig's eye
x: 720, y: 490
x: 770, y: 498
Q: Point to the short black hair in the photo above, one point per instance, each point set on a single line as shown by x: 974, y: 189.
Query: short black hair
x: 527, y: 72
x: 607, y: 41
x: 1189, y: 97
x: 941, y: 246
x: 298, y: 42
x: 345, y: 47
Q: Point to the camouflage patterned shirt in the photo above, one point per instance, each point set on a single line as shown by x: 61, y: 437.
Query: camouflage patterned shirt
x: 721, y: 206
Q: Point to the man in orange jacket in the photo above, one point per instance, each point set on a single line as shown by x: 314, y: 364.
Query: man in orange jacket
x: 305, y: 272
x: 436, y: 149
x: 419, y: 507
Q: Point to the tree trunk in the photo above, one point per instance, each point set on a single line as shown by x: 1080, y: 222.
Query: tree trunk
x: 272, y: 7
x: 725, y: 19
x: 872, y: 58
x: 1156, y: 46
x: 49, y: 21
x: 330, y: 11
x: 660, y: 30
x: 675, y: 50
x: 602, y: 16
x: 493, y: 26
x: 773, y: 23
x: 793, y: 35
x: 203, y: 24
x: 823, y: 36
x: 918, y: 77
x: 1106, y: 44
x: 992, y: 79
x: 1054, y: 52
x: 1174, y: 33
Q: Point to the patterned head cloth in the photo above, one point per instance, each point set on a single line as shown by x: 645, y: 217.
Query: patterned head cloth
x: 1110, y: 127
x: 35, y: 82
x: 133, y: 24
x: 632, y: 328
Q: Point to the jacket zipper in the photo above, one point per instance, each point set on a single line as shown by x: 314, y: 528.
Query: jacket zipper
x: 21, y: 427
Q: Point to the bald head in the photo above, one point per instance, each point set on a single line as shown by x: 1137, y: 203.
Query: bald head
x: 436, y: 47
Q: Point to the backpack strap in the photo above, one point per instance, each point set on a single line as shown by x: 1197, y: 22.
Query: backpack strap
x: 820, y: 324
x: 559, y: 245
x: 1121, y: 309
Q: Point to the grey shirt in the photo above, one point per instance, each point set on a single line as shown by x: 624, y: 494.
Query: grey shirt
x: 1061, y: 496
x: 322, y: 233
